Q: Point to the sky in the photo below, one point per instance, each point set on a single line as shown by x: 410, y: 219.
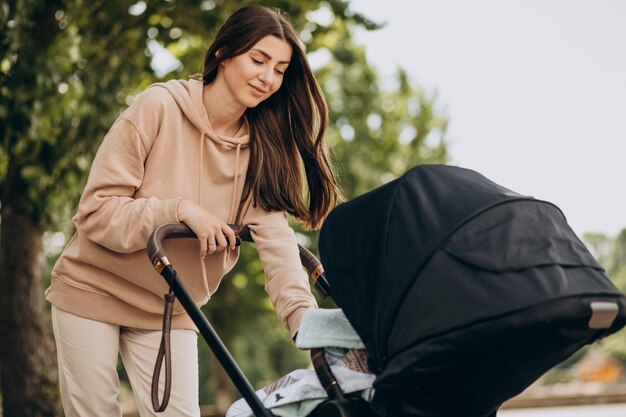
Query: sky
x: 535, y: 91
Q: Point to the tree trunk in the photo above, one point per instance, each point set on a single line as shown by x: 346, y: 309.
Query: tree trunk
x: 28, y: 369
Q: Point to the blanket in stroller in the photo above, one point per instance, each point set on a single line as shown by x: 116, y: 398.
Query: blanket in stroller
x: 298, y: 393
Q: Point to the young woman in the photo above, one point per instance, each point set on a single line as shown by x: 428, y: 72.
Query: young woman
x: 225, y: 149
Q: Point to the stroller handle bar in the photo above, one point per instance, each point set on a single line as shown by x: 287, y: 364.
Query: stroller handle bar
x: 159, y: 259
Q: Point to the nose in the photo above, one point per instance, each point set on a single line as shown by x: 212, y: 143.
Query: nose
x: 266, y: 76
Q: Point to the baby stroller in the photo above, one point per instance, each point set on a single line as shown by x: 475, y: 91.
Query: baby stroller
x: 463, y: 292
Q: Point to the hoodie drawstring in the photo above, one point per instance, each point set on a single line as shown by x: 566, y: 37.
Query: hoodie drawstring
x: 201, y: 167
x: 205, y: 279
x: 233, y: 202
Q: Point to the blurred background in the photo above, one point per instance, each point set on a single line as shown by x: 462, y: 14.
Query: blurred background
x: 531, y: 94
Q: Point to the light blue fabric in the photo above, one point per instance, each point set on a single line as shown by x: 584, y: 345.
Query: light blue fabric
x: 299, y: 392
x: 327, y: 327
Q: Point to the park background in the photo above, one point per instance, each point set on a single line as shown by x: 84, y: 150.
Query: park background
x: 531, y: 94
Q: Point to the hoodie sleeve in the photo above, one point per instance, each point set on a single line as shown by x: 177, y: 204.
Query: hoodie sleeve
x: 286, y: 282
x: 108, y: 213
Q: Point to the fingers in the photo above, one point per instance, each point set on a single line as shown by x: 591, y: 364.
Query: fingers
x: 212, y: 247
x: 213, y: 233
x: 203, y: 247
x: 230, y: 234
x: 225, y: 237
x: 221, y: 241
x: 208, y: 245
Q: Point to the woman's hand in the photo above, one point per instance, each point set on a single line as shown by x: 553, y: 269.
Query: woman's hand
x: 211, y: 230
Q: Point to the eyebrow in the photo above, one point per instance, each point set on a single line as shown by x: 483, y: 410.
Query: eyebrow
x: 268, y: 56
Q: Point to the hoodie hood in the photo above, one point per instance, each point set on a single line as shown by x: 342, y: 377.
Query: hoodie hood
x: 188, y: 96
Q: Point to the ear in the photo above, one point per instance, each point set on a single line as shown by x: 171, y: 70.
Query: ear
x: 219, y: 52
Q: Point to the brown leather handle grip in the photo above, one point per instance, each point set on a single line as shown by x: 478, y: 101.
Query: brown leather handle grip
x: 315, y: 268
x: 180, y: 230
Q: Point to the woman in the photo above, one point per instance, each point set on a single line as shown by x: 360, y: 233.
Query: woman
x: 224, y: 149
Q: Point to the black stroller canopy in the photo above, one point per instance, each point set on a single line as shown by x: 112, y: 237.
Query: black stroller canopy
x: 375, y: 248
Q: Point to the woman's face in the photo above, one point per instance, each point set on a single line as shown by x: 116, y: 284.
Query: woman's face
x: 258, y: 73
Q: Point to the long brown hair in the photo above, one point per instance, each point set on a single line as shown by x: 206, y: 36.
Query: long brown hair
x: 287, y: 130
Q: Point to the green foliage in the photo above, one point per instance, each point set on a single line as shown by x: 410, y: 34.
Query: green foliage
x: 619, y: 256
x: 611, y: 253
x: 601, y: 247
x: 376, y: 135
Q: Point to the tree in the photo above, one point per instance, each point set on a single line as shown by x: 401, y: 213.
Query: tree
x: 68, y: 68
x: 26, y: 374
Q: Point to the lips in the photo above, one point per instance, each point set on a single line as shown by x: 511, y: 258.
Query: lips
x: 258, y: 91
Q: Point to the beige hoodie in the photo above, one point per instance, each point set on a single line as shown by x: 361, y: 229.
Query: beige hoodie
x: 160, y: 150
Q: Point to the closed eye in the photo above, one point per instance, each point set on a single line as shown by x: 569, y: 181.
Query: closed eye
x: 257, y: 62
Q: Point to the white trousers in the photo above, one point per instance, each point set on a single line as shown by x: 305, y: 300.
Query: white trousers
x: 87, y: 353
